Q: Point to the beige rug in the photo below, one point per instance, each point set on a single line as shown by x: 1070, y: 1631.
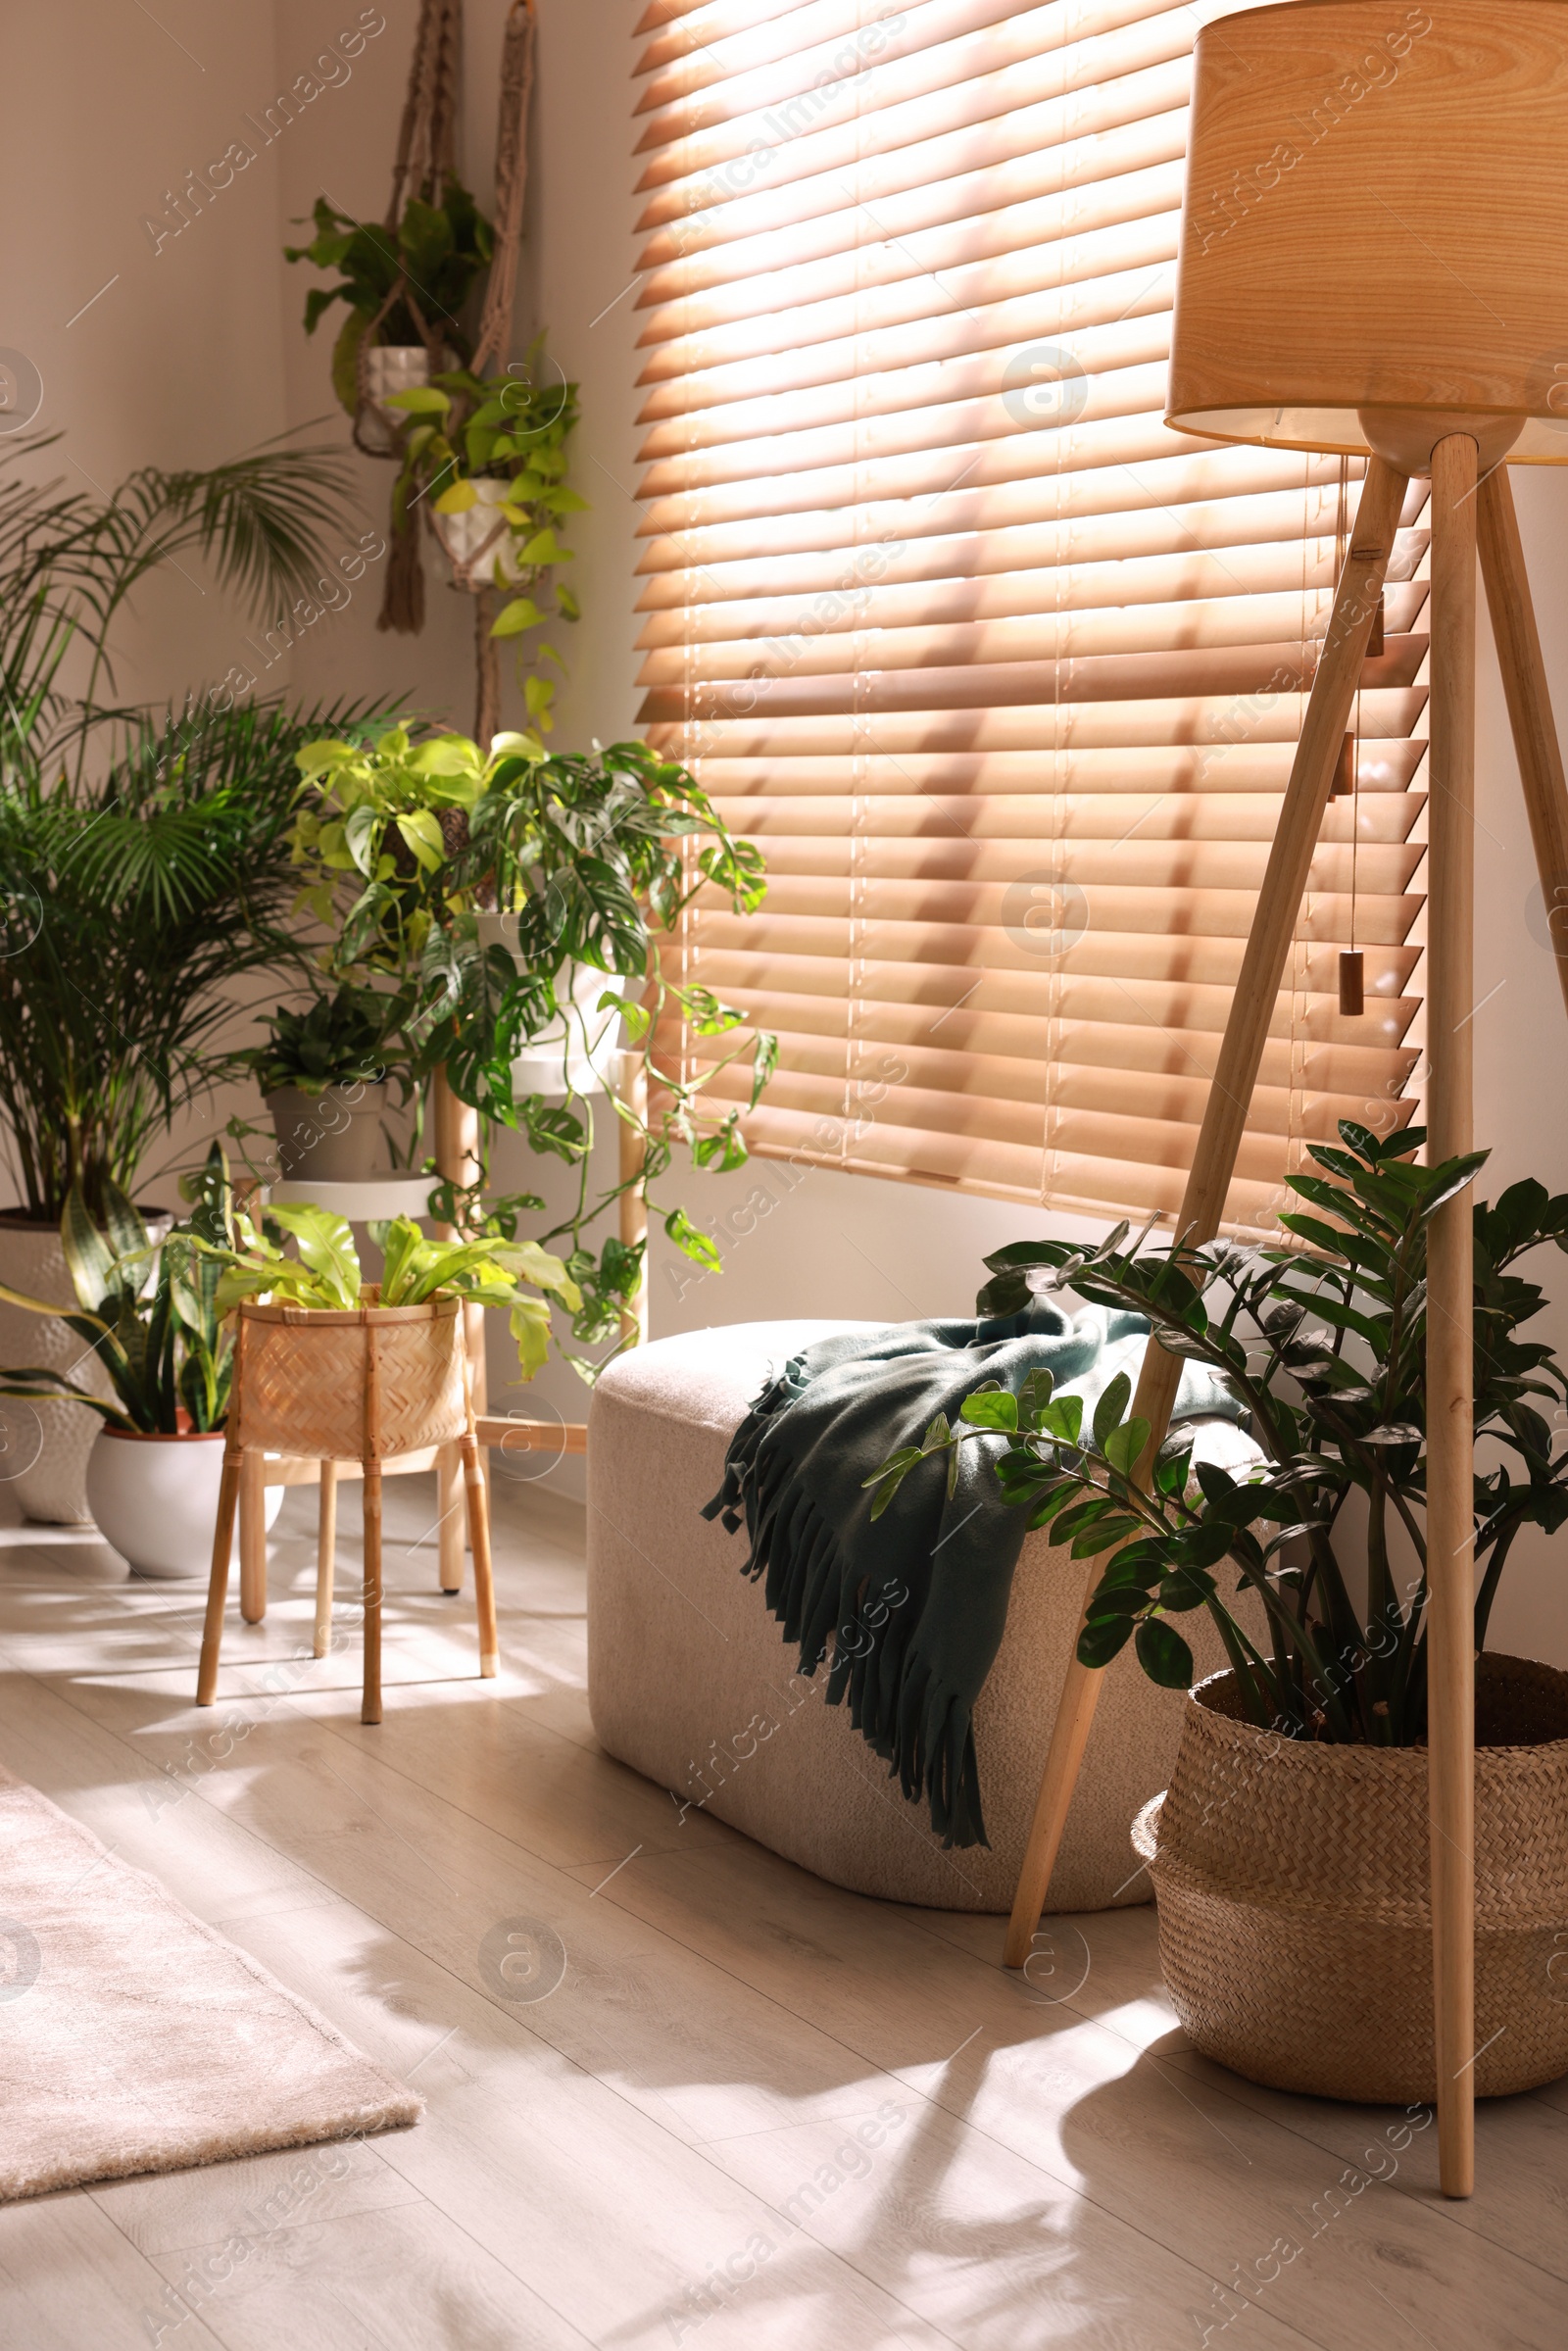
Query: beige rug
x: 133, y: 2038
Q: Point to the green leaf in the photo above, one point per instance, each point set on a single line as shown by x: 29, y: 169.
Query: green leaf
x: 421, y: 830
x: 1163, y: 1654
x: 326, y: 1251
x: 1062, y: 1418
x: 459, y: 498
x: 530, y: 1328
x: 513, y: 617
x: 422, y: 400
x: 990, y: 1408
x: 693, y: 1242
x: 1102, y: 1638
x: 1124, y: 1446
x: 1100, y: 1536
x: 87, y: 1255
x: 1110, y: 1407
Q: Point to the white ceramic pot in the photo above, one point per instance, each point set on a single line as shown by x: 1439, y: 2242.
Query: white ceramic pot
x: 395, y: 368
x: 155, y: 1499
x: 44, y: 1446
x: 582, y: 1046
x: 330, y: 1138
x: 476, y: 541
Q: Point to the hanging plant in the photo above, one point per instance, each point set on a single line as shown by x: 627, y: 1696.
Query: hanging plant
x: 405, y: 284
x: 487, y: 459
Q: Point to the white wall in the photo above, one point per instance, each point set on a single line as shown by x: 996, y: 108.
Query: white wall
x: 197, y: 351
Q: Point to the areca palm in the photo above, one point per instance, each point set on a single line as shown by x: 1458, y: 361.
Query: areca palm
x: 144, y: 858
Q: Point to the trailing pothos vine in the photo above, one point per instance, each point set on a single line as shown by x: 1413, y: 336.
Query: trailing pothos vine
x: 1326, y: 1348
x: 476, y: 890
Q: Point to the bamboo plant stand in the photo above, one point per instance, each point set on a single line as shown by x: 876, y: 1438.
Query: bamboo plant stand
x: 363, y: 1386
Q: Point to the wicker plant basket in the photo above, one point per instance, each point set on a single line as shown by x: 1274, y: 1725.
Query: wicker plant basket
x: 1293, y: 1882
x: 304, y: 1388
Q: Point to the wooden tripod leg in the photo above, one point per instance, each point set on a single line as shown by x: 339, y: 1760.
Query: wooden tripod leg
x: 217, y: 1588
x: 325, y: 1556
x: 1339, y: 670
x: 1524, y: 682
x: 253, y: 1538
x: 370, y: 1704
x: 1450, y: 1301
x: 448, y: 1518
x: 485, y: 1586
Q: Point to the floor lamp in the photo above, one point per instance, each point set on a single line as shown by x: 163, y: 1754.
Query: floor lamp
x: 1372, y: 265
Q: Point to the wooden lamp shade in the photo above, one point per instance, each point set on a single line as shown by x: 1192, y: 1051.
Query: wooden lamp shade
x: 1375, y: 229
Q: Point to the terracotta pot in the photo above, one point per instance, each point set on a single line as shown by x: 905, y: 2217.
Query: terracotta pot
x: 1293, y: 1886
x: 46, y: 1445
x: 334, y: 1137
x: 154, y: 1498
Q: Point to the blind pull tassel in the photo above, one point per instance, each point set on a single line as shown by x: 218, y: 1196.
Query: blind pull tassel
x: 1352, y: 978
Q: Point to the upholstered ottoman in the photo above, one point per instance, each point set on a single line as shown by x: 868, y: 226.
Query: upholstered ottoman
x: 691, y: 1683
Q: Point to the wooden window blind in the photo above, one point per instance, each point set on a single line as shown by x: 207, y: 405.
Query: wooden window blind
x: 1004, y: 677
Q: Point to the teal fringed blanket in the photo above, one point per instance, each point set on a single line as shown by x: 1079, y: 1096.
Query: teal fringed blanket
x: 914, y: 1602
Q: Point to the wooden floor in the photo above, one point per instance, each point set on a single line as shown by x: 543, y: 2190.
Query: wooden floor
x: 752, y: 2111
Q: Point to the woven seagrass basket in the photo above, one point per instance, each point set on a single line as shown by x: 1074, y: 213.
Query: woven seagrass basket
x: 1293, y: 1882
x: 303, y: 1387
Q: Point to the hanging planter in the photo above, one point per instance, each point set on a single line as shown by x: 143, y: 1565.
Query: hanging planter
x: 477, y: 538
x: 394, y: 368
x: 1293, y: 1885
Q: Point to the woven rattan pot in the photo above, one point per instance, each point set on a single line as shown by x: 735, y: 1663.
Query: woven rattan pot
x: 304, y: 1386
x: 1293, y: 1882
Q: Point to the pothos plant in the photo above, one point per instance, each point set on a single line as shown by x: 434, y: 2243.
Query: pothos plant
x: 494, y: 449
x: 1326, y: 1348
x: 414, y: 850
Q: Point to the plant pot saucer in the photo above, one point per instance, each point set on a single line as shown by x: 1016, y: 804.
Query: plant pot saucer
x: 374, y: 1197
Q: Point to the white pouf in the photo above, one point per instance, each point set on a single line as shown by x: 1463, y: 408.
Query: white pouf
x: 690, y: 1680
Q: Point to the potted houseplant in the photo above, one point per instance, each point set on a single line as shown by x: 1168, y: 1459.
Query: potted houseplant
x: 1289, y: 1855
x: 324, y: 1077
x: 148, y: 1314
x: 487, y: 459
x: 143, y: 859
x: 517, y: 901
x: 323, y: 1276
x: 404, y: 288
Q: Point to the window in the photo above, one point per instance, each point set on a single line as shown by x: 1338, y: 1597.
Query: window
x: 1004, y: 676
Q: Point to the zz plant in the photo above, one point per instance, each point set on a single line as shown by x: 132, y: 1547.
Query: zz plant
x: 1326, y: 1350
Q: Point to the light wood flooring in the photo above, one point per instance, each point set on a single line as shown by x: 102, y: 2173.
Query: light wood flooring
x: 754, y: 2112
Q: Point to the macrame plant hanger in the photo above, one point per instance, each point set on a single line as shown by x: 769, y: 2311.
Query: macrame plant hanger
x: 495, y: 320
x: 426, y: 158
